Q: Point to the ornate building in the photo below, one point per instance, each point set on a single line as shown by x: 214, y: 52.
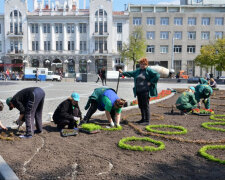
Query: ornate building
x: 62, y: 37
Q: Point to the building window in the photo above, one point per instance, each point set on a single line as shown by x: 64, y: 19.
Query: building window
x: 47, y: 45
x: 35, y: 46
x: 177, y: 66
x: 163, y: 49
x: 119, y: 28
x: 105, y: 26
x: 46, y: 28
x: 150, y: 21
x: 150, y: 35
x: 178, y: 21
x: 191, y: 49
x: 0, y: 29
x: 34, y: 28
x: 70, y: 28
x: 119, y: 45
x: 96, y: 27
x: 58, y: 28
x: 0, y: 46
x: 150, y: 49
x: 96, y: 45
x: 177, y: 35
x: 83, y: 46
x: 205, y: 35
x: 191, y: 21
x: 20, y: 27
x: 190, y: 68
x: 218, y: 35
x: 164, y: 35
x: 164, y: 21
x: 206, y: 21
x: 83, y: 27
x: 192, y: 35
x: 70, y: 45
x: 177, y: 48
x: 136, y: 21
x: 219, y: 21
x: 58, y: 45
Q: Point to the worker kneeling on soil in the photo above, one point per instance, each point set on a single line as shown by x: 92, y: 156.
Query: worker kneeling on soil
x: 1, y: 108
x: 203, y: 91
x: 29, y: 102
x: 68, y: 113
x: 105, y: 99
x: 186, y: 102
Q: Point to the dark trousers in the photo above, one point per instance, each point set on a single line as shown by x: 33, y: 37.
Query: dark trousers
x: 93, y: 108
x: 103, y: 80
x: 63, y: 122
x: 143, y: 104
x: 33, y: 112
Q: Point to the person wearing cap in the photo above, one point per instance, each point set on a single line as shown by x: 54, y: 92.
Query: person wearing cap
x: 105, y: 99
x: 68, y: 113
x: 1, y: 108
x: 203, y: 91
x: 145, y: 86
x: 29, y: 102
x: 186, y: 102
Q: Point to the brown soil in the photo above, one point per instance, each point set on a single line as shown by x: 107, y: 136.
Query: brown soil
x: 97, y: 156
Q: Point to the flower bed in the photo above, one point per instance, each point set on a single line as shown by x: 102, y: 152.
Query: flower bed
x: 203, y: 111
x: 122, y: 144
x: 161, y: 95
x: 210, y: 157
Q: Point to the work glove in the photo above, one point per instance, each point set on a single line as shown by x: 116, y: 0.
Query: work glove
x: 77, y: 120
x: 19, y: 122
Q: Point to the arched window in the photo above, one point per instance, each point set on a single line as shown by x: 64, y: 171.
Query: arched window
x: 82, y: 66
x: 35, y: 63
x: 47, y: 64
x: 71, y: 66
x: 15, y: 13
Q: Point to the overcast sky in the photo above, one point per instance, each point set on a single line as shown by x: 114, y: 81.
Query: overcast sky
x: 118, y: 5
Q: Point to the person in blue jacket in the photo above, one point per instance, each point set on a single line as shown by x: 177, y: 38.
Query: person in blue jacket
x: 105, y: 99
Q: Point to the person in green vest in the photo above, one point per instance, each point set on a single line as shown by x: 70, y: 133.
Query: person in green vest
x: 145, y: 86
x: 203, y: 91
x: 105, y: 99
x: 186, y: 101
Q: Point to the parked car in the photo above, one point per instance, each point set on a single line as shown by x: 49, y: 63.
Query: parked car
x: 193, y: 79
x: 222, y: 77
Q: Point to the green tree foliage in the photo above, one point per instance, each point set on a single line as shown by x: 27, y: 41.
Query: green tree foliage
x: 212, y: 55
x: 136, y: 48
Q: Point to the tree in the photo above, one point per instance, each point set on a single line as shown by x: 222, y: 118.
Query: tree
x: 212, y: 55
x: 136, y: 48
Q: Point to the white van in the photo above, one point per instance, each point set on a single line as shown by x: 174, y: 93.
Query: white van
x: 53, y: 77
x: 30, y: 73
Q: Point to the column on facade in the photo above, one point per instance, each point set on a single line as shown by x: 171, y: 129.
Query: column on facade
x: 77, y: 34
x: 64, y: 37
x: 87, y: 38
x: 28, y: 38
x: 53, y: 41
x: 41, y: 37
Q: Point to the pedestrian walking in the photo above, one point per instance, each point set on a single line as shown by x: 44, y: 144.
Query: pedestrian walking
x: 103, y: 76
x: 29, y: 102
x: 99, y: 74
x: 36, y: 75
x: 145, y: 86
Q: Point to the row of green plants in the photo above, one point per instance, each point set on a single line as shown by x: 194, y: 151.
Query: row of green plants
x: 94, y: 127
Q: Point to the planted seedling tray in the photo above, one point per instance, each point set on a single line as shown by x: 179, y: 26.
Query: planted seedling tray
x: 89, y: 132
x: 69, y: 132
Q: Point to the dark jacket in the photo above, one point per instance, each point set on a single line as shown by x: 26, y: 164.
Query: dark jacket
x: 151, y: 76
x: 66, y: 110
x: 20, y: 99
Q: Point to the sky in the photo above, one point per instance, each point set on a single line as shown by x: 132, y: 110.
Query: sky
x: 118, y: 5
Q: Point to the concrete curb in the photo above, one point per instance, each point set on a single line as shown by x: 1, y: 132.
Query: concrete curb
x: 6, y: 173
x: 136, y: 106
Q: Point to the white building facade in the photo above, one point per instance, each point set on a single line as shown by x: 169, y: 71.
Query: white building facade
x: 176, y: 33
x: 62, y: 37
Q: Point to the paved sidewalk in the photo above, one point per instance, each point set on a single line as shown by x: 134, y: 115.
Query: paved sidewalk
x: 56, y: 92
